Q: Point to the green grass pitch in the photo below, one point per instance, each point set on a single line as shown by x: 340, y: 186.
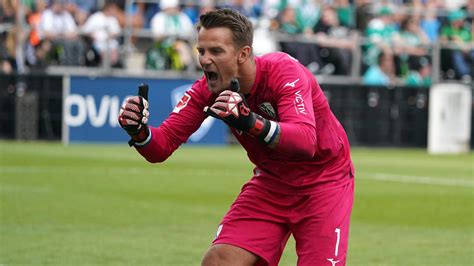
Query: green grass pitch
x: 104, y: 205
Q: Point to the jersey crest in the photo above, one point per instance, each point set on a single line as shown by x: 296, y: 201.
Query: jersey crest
x: 268, y: 109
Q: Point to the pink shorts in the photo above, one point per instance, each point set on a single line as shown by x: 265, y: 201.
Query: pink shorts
x: 261, y: 221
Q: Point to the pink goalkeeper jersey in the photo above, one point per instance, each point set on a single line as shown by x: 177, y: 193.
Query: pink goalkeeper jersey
x: 313, y: 153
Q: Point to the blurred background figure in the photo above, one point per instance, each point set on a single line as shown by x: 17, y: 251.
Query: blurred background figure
x: 429, y: 21
x: 8, y: 35
x: 36, y: 51
x: 382, y: 73
x: 103, y: 28
x: 411, y: 46
x: 8, y: 11
x: 135, y: 11
x: 7, y: 52
x: 81, y: 9
x: 59, y: 32
x: 205, y: 6
x: 345, y: 10
x: 306, y: 52
x: 263, y: 38
x: 143, y: 12
x: 363, y: 14
x: 245, y: 7
x: 336, y: 42
x: 308, y: 13
x: 172, y: 30
x: 419, y: 74
x: 380, y: 33
x: 457, y: 34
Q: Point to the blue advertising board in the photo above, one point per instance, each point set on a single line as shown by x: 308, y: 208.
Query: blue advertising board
x: 91, y: 107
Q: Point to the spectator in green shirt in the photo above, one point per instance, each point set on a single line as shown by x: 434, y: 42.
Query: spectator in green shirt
x: 459, y: 39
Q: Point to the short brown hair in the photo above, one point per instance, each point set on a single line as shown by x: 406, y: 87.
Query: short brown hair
x: 241, y: 27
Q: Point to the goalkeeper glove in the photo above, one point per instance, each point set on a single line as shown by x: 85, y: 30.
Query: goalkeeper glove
x: 133, y: 117
x: 231, y: 107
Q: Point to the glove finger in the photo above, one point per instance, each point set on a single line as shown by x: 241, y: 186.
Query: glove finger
x: 145, y: 116
x: 209, y: 111
x: 223, y: 98
x: 221, y: 106
x: 126, y: 122
x: 233, y: 97
x: 131, y: 106
x: 131, y: 126
x: 144, y: 103
x: 135, y: 100
x: 226, y: 93
x: 131, y: 115
x: 219, y: 112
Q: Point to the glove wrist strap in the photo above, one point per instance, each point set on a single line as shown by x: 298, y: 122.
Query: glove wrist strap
x: 140, y: 139
x: 264, y: 129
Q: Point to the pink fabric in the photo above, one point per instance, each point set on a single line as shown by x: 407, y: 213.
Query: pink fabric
x: 313, y: 153
x: 261, y: 221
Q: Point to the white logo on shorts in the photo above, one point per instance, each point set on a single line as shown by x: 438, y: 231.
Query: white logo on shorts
x: 333, y: 262
x: 219, y: 229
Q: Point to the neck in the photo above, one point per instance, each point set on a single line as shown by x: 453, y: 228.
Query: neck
x: 247, y: 75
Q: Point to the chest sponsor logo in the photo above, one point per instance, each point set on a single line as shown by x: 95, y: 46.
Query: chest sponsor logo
x: 268, y: 109
x: 299, y: 103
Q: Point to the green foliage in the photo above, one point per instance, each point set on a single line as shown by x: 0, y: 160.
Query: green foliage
x: 104, y: 205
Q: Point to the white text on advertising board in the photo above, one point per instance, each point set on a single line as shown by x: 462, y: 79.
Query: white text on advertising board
x: 79, y: 109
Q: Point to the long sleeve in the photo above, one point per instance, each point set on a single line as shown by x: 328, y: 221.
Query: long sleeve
x: 185, y: 119
x: 297, y: 122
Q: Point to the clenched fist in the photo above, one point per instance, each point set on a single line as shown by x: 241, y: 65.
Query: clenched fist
x: 133, y: 118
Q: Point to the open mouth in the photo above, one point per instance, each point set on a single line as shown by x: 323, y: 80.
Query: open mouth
x: 211, y: 76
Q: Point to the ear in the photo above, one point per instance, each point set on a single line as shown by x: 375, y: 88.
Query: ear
x: 244, y: 54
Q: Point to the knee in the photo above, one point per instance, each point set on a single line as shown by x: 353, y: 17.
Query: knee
x: 222, y: 254
x: 212, y: 257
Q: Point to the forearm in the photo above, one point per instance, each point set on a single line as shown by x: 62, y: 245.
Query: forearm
x: 296, y: 139
x: 159, y: 147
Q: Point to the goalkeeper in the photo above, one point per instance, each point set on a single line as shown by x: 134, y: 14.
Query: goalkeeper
x: 303, y: 178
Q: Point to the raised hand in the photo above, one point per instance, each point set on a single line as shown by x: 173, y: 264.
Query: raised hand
x: 133, y: 117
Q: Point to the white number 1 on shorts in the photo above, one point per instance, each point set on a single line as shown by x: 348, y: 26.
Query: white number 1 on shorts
x: 338, y: 233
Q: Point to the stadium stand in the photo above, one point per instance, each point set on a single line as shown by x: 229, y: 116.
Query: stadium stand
x: 374, y: 59
x: 430, y: 40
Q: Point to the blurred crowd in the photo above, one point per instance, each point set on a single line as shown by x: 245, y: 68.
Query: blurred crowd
x: 394, y: 39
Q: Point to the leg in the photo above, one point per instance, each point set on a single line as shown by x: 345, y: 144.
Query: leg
x: 322, y: 236
x: 223, y: 254
x: 254, y: 231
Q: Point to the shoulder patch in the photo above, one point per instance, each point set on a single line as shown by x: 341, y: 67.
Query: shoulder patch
x: 182, y: 103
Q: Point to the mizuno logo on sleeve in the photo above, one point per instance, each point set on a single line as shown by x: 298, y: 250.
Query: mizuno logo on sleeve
x: 291, y: 84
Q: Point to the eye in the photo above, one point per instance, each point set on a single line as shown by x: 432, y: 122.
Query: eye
x: 216, y: 51
x: 200, y: 51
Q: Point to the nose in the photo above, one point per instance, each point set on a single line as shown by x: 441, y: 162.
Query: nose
x: 205, y: 59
